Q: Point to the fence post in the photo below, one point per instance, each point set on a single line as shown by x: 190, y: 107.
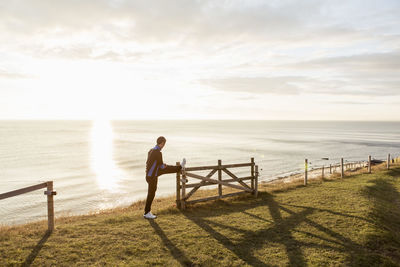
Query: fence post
x: 178, y: 188
x: 183, y: 201
x: 369, y: 164
x: 219, y: 178
x: 341, y: 168
x: 305, y: 171
x: 323, y: 170
x: 256, y: 182
x: 388, y: 162
x: 330, y: 168
x: 252, y: 173
x: 50, y: 206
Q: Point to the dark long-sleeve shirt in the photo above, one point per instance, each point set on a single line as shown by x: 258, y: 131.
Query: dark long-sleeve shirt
x: 154, y: 162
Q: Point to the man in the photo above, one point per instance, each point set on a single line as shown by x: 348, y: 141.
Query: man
x: 154, y: 168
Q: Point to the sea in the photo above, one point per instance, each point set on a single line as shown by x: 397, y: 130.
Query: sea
x: 100, y: 164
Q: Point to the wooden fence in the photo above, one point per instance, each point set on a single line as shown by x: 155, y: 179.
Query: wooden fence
x: 343, y: 166
x: 234, y: 182
x: 50, y: 202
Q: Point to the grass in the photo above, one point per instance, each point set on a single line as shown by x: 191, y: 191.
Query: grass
x: 353, y: 221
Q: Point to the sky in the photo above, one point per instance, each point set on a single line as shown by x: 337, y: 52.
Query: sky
x: 263, y: 60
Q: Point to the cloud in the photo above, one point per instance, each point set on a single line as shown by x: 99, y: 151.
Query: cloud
x: 376, y: 74
x: 352, y: 103
x: 257, y: 85
x: 13, y: 75
x: 294, y: 85
x: 83, y: 51
x: 165, y: 19
x: 389, y: 61
x: 132, y: 30
x: 189, y: 23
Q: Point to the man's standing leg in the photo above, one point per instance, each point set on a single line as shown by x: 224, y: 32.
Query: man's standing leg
x: 151, y: 192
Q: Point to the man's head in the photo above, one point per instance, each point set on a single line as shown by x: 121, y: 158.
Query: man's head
x: 161, y: 141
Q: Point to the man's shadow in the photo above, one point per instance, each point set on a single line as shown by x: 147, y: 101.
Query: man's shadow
x: 175, y: 252
x: 29, y: 260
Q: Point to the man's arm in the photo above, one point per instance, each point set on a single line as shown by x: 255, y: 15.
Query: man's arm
x: 162, y: 166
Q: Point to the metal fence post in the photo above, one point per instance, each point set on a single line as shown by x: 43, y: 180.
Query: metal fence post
x: 341, y: 168
x: 305, y: 171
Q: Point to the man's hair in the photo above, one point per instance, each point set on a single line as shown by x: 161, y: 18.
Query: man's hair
x: 161, y: 140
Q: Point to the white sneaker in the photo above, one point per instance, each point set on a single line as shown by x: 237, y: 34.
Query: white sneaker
x: 183, y: 163
x: 149, y: 215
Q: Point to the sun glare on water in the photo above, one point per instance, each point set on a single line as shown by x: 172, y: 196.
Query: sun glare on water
x: 102, y: 162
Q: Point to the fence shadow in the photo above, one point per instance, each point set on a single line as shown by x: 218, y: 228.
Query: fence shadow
x: 279, y: 230
x: 175, y: 252
x: 32, y: 256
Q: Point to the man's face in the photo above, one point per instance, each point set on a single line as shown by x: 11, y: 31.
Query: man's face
x: 162, y: 145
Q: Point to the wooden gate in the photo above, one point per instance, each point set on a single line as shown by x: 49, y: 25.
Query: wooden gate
x: 233, y: 182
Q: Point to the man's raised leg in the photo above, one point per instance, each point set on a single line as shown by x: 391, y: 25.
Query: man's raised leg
x: 170, y: 169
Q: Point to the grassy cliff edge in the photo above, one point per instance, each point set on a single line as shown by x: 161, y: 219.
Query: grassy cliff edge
x: 352, y: 221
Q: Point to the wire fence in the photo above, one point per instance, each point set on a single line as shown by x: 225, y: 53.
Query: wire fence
x: 325, y: 170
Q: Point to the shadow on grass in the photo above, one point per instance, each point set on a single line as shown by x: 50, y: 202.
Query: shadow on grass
x: 29, y: 260
x: 394, y: 172
x: 278, y: 231
x: 385, y: 198
x: 333, y: 212
x: 175, y: 252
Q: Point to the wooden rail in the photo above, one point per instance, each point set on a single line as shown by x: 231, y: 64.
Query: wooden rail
x: 234, y: 181
x: 50, y: 201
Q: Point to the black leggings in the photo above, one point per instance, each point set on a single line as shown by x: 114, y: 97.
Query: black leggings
x: 152, y: 182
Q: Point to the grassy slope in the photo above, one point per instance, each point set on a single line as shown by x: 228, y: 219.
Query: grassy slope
x: 354, y: 221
